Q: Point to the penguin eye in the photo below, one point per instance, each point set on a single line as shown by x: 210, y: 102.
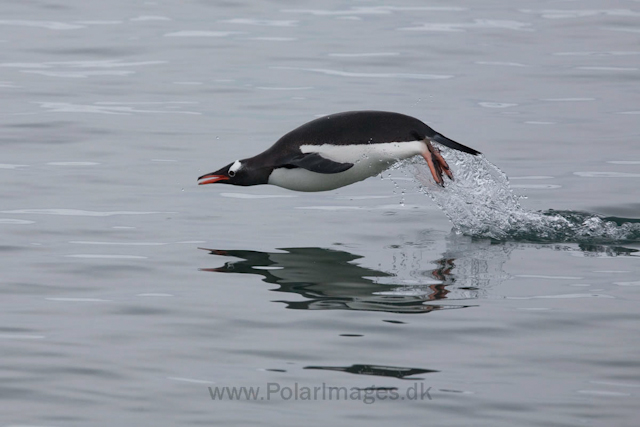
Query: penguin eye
x: 233, y: 168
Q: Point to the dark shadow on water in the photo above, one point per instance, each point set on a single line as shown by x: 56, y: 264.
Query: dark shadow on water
x: 591, y: 250
x: 380, y: 371
x: 329, y: 280
x: 611, y: 251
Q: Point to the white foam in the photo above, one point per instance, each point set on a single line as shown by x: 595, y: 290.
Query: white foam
x: 480, y: 203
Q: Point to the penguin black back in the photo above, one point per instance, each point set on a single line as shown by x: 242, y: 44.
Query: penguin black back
x: 363, y: 127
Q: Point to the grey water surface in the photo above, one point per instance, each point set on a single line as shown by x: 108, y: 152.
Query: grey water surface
x: 132, y: 296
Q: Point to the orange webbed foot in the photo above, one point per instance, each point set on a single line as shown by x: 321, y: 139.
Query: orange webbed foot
x: 437, y: 163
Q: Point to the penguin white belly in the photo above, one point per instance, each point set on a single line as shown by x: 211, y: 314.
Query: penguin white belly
x: 368, y: 160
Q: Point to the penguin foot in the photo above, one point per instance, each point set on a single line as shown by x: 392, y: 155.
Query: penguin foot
x: 437, y: 163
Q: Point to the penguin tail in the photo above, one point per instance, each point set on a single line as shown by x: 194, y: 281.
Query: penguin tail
x: 441, y: 139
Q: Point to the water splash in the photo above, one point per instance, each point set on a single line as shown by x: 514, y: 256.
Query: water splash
x: 480, y: 203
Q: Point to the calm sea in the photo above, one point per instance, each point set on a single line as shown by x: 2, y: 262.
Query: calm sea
x: 132, y: 296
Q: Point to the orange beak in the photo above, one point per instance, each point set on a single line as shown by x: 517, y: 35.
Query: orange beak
x: 211, y: 178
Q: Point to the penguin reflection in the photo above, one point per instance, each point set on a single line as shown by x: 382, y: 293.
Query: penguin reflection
x: 329, y: 280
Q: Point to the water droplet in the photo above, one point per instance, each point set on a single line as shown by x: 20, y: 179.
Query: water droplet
x: 480, y: 202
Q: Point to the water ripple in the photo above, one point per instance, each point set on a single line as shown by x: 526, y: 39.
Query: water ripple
x: 501, y: 63
x: 190, y: 380
x: 567, y: 99
x: 82, y: 242
x: 73, y: 163
x: 464, y: 26
x: 604, y: 393
x: 150, y: 18
x: 597, y: 53
x: 11, y: 166
x: 368, y: 75
x: 579, y: 13
x: 284, y: 88
x: 624, y: 29
x: 256, y: 196
x: 193, y: 33
x: 98, y: 22
x: 564, y: 296
x: 375, y: 10
x: 79, y: 69
x: 92, y: 63
x: 607, y: 174
x: 20, y: 337
x: 105, y: 108
x: 155, y: 295
x: 497, y: 104
x: 601, y: 68
x: 49, y: 25
x: 80, y: 74
x: 15, y: 221
x: 260, y: 22
x: 363, y: 54
x: 273, y: 39
x: 105, y: 256
x: 513, y: 178
x: 77, y: 212
x: 627, y: 283
x: 537, y: 186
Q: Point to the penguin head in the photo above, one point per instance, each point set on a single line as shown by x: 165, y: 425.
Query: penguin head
x: 239, y: 172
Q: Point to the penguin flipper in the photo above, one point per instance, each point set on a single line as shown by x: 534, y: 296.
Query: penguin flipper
x: 314, y: 162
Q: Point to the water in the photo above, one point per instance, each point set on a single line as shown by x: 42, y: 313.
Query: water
x: 480, y: 203
x: 132, y: 296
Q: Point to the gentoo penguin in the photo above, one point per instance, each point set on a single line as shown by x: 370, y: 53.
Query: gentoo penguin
x: 338, y: 150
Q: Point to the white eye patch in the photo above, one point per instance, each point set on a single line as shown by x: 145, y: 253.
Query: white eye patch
x: 234, y: 167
